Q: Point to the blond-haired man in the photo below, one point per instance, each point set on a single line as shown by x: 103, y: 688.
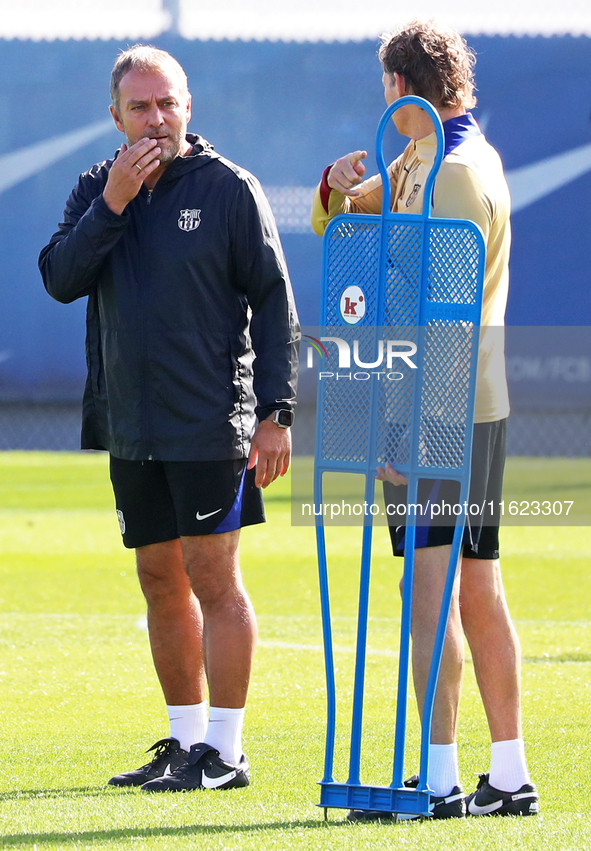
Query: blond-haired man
x: 434, y: 62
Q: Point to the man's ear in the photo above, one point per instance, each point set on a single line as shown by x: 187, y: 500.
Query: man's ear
x: 116, y: 119
x: 401, y: 85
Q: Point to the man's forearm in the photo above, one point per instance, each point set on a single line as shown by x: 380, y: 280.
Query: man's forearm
x: 69, y: 264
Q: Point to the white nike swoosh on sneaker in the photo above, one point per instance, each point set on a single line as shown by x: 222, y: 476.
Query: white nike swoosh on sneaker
x: 167, y: 771
x: 205, y: 516
x: 475, y: 810
x: 215, y: 782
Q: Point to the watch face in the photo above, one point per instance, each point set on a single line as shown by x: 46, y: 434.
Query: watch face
x: 284, y: 418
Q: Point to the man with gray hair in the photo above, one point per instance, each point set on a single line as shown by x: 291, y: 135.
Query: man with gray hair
x: 191, y: 339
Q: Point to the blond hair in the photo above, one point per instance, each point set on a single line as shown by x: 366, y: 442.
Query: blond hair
x: 434, y: 60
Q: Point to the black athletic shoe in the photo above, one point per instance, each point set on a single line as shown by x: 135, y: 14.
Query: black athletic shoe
x: 448, y: 806
x: 167, y: 757
x: 204, y: 769
x: 488, y: 801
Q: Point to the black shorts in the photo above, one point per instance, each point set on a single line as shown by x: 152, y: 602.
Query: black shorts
x: 161, y: 500
x: 481, y: 535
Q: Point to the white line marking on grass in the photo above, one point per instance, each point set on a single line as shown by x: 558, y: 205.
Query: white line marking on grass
x: 142, y: 623
x: 318, y: 648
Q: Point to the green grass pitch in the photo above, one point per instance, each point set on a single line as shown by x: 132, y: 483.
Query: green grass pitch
x: 80, y: 700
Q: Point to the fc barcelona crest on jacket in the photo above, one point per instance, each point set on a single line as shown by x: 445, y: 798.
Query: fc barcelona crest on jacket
x: 413, y: 194
x: 189, y: 219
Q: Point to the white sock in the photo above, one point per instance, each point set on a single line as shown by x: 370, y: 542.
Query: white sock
x: 444, y: 772
x: 224, y: 732
x: 508, y: 768
x: 188, y: 723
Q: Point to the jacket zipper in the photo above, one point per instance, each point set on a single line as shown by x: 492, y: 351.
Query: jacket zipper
x: 146, y: 428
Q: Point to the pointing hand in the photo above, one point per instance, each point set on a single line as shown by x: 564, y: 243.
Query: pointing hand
x: 347, y: 173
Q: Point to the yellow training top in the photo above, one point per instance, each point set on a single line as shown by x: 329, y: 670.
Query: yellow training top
x: 470, y: 185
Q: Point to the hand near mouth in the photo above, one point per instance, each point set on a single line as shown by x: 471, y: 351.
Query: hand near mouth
x: 128, y: 172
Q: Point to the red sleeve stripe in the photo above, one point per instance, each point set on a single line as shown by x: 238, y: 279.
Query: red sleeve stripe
x: 325, y: 189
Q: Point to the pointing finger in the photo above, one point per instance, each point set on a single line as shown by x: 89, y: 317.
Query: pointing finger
x: 354, y: 166
x: 356, y: 157
x: 347, y: 172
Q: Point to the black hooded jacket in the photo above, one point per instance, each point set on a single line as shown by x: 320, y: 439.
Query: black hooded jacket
x: 191, y: 325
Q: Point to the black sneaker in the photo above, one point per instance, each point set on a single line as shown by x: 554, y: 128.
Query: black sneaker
x: 448, y: 806
x: 168, y: 756
x: 488, y: 801
x: 204, y: 769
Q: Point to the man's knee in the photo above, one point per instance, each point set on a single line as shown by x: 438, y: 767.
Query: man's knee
x: 212, y: 565
x: 216, y: 588
x: 161, y: 572
x: 430, y: 576
x: 481, y: 583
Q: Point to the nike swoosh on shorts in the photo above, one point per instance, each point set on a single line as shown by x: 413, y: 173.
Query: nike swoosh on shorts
x: 205, y: 516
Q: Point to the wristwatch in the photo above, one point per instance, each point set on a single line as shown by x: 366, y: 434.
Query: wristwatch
x: 283, y: 418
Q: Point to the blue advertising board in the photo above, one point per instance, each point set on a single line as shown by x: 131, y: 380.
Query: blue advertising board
x: 284, y: 111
